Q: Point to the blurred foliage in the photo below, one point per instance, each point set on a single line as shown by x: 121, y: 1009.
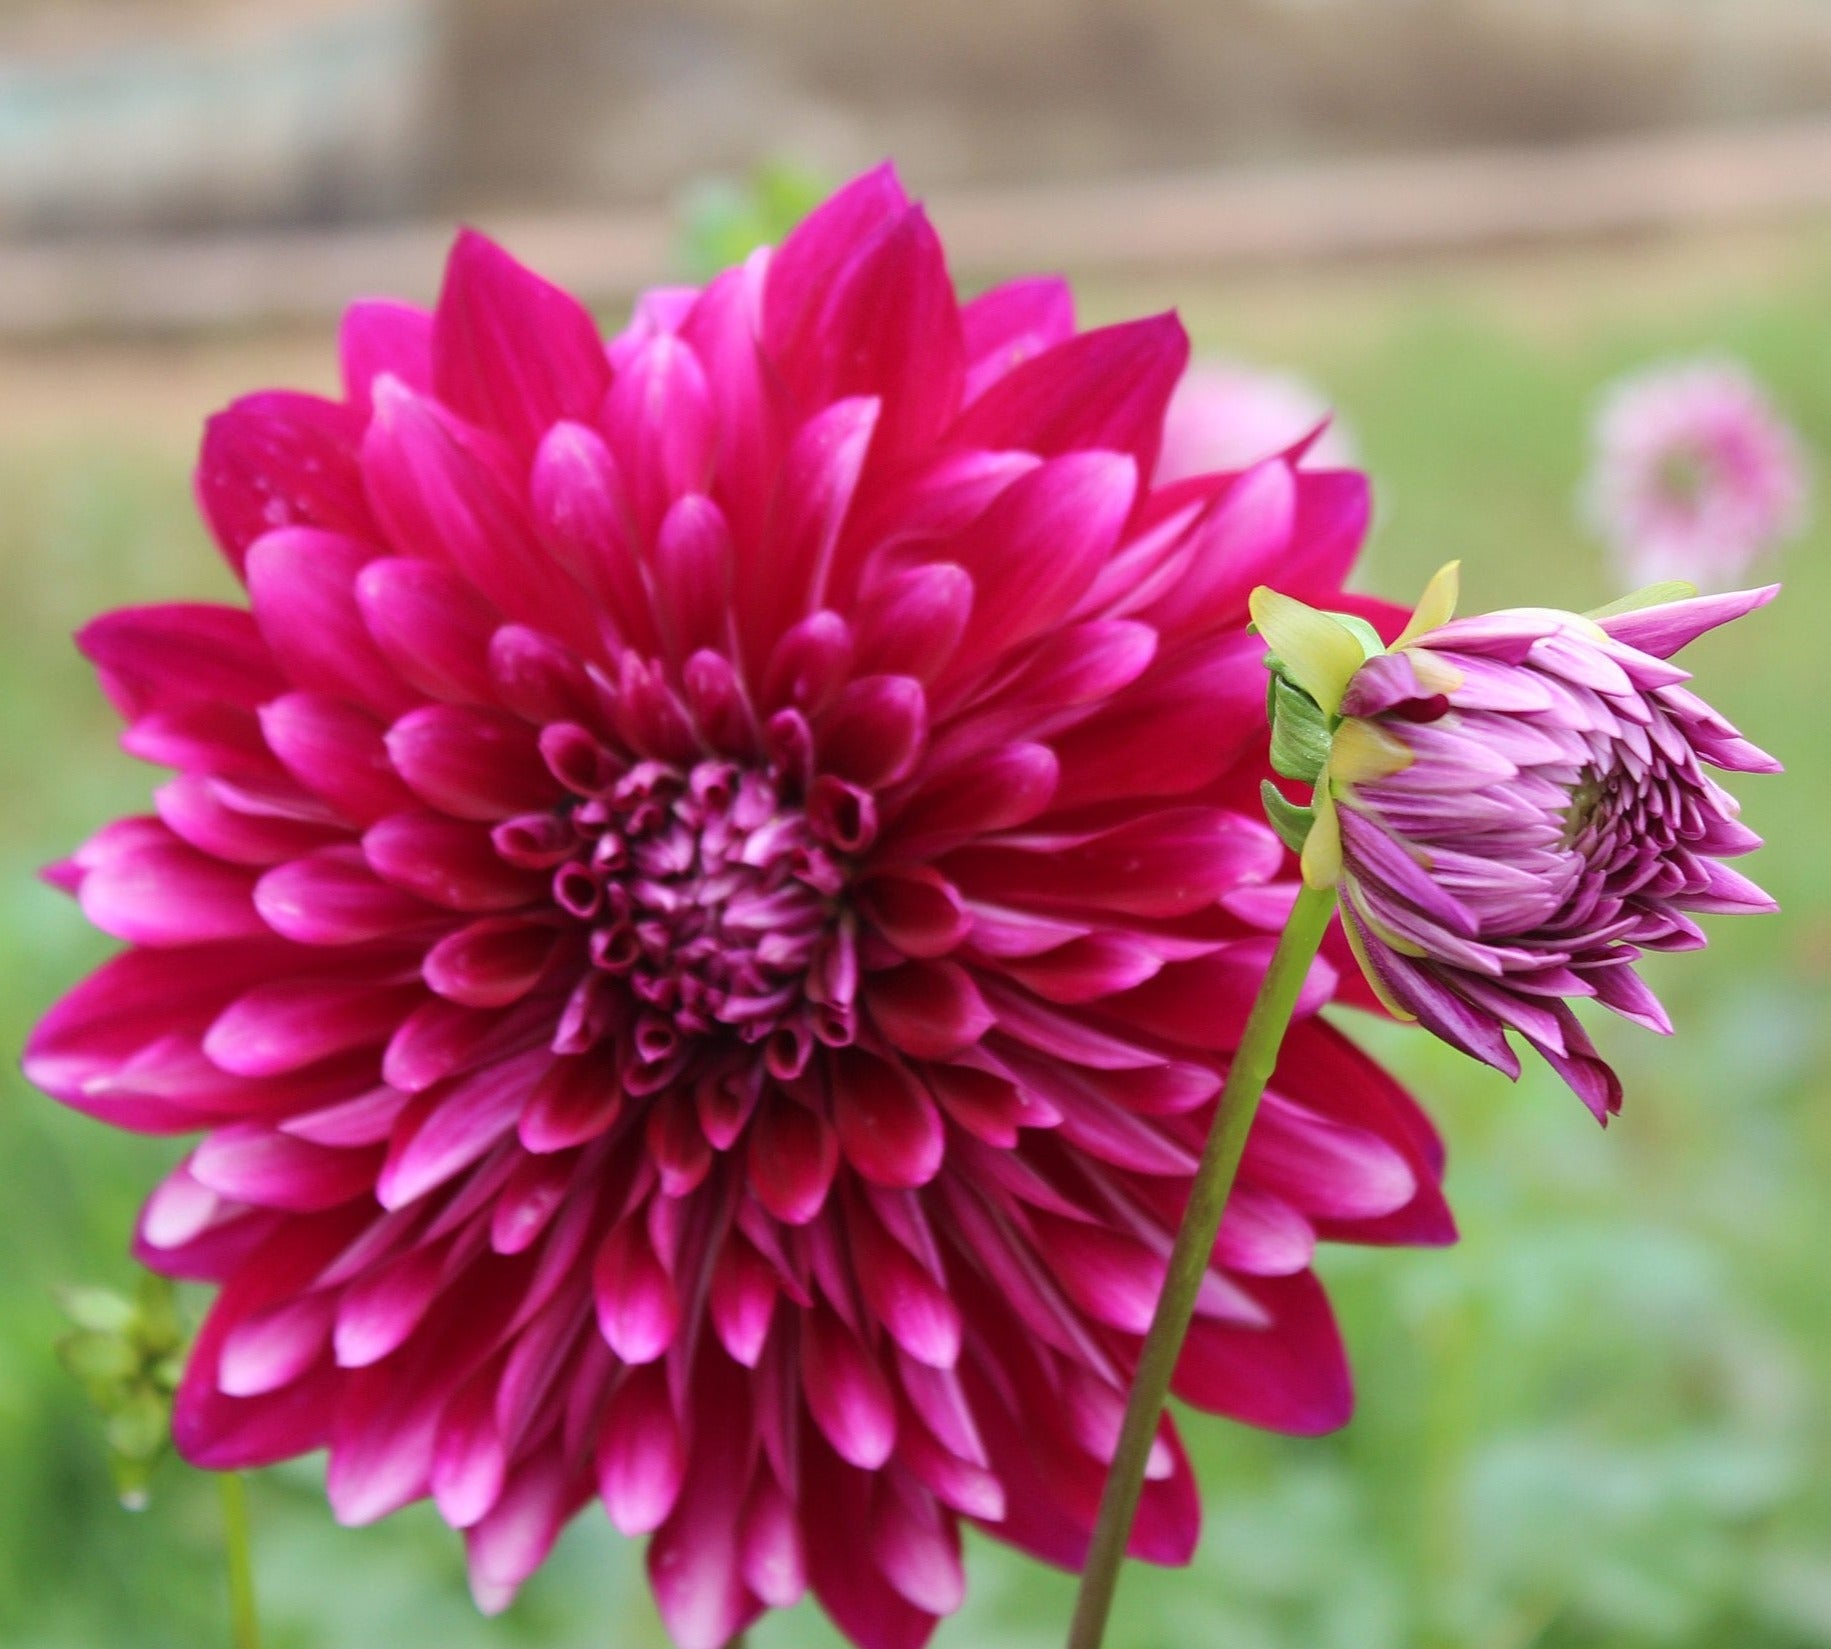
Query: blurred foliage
x: 722, y: 220
x: 1598, y: 1423
x: 127, y: 1353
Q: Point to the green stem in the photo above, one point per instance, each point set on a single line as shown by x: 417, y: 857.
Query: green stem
x: 238, y: 1552
x: 1252, y: 1066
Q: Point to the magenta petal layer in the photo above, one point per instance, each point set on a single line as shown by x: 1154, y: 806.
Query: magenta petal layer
x: 701, y: 921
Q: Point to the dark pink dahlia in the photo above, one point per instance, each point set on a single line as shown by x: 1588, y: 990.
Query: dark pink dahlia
x: 700, y: 920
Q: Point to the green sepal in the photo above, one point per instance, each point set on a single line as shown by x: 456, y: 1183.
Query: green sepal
x: 1291, y: 821
x: 1300, y: 731
x: 1362, y: 631
x: 1652, y: 595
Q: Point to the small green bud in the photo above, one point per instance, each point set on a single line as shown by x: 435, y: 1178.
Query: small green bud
x: 128, y: 1356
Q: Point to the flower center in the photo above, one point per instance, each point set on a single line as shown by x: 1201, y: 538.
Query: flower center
x: 1585, y: 797
x: 718, y: 906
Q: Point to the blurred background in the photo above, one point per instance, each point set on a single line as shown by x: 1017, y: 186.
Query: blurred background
x: 1600, y: 1421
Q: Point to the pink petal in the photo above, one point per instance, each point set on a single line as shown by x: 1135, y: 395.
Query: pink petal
x: 1113, y: 1278
x: 911, y: 622
x: 918, y: 1311
x: 515, y: 1536
x: 693, y: 1560
x: 209, y: 817
x: 786, y: 579
x: 1291, y: 1377
x: 470, y: 1459
x: 811, y: 260
x: 380, y: 336
x: 492, y: 962
x: 574, y: 1102
x: 290, y: 1023
x: 930, y: 1010
x: 1103, y: 389
x: 1171, y: 863
x: 918, y: 911
x: 249, y: 1163
x: 1034, y: 553
x: 916, y: 1546
x: 281, y: 459
x: 1324, y: 1166
x: 743, y: 1301
x: 1663, y: 630
x: 381, y: 1309
x: 875, y: 732
x: 581, y: 510
x: 1177, y: 728
x: 271, y: 1348
x: 335, y: 750
x: 888, y: 1126
x: 448, y: 861
x: 153, y: 658
x: 158, y: 891
x: 331, y: 897
x: 1203, y: 1002
x: 994, y: 790
x: 642, y: 1457
x: 471, y: 763
x: 887, y: 326
x: 638, y: 1310
x: 511, y: 351
x: 1006, y: 326
x: 1085, y: 970
x: 658, y: 420
x: 793, y: 1155
x: 692, y: 574
x: 847, y: 1392
x: 441, y: 489
x: 432, y: 626
x: 452, y: 1124
x: 770, y: 1547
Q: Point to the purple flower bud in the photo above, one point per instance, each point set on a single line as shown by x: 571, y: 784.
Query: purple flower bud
x: 1516, y: 807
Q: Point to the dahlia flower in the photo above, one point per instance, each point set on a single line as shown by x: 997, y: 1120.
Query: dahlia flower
x: 700, y: 918
x: 1695, y: 475
x: 1228, y: 417
x: 1516, y: 808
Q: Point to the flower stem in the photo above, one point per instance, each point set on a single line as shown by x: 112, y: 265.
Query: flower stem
x: 238, y: 1552
x: 1251, y: 1069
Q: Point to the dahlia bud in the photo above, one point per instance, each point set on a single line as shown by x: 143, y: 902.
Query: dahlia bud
x: 1514, y: 808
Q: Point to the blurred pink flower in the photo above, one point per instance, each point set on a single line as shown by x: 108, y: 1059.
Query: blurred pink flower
x: 1226, y: 417
x: 1695, y: 475
x: 701, y: 918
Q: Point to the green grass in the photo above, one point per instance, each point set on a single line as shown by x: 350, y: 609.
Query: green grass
x: 1600, y: 1421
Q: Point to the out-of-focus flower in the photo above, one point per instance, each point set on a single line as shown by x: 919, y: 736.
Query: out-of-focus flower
x: 1226, y: 417
x: 701, y: 919
x: 1695, y: 475
x: 127, y: 1354
x: 1516, y: 808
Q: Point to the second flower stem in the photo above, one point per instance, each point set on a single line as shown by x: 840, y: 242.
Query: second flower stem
x: 1252, y: 1066
x: 244, y: 1621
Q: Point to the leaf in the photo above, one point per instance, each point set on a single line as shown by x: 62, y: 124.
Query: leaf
x: 1300, y: 735
x: 1291, y: 821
